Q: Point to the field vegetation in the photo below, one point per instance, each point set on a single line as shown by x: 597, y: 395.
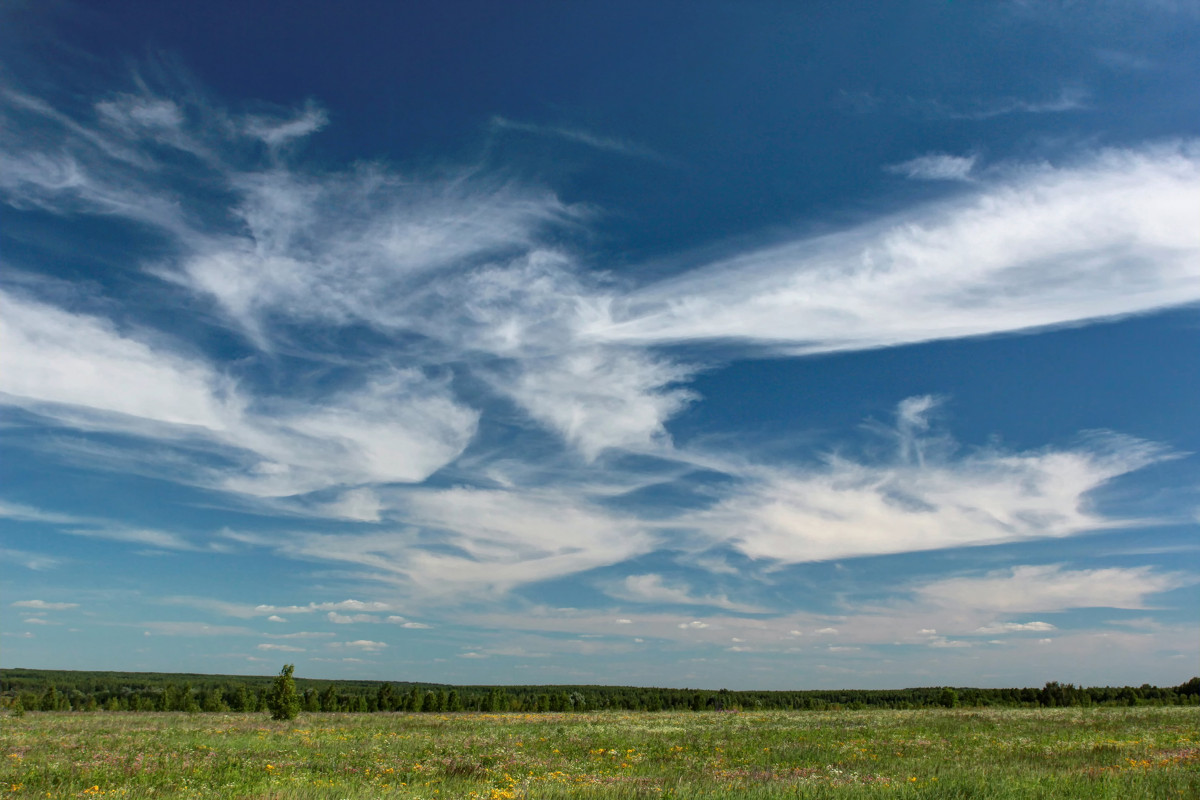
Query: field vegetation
x: 1102, y: 752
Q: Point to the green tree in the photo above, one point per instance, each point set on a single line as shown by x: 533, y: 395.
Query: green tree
x: 282, y: 700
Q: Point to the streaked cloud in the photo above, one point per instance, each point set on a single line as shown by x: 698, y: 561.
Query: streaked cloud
x: 42, y: 605
x: 1014, y: 627
x: 972, y: 266
x: 654, y: 589
x: 935, y: 167
x: 1053, y: 587
x: 607, y: 143
x: 921, y: 500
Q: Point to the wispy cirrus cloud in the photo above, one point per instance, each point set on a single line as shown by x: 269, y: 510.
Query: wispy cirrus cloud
x: 577, y: 135
x: 77, y: 370
x: 472, y: 303
x: 1053, y: 587
x: 935, y: 167
x: 925, y: 499
x: 654, y: 589
x: 42, y: 605
x: 1045, y: 246
x: 1069, y: 98
x: 461, y: 542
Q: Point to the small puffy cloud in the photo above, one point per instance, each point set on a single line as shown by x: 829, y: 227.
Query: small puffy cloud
x: 361, y: 644
x: 39, y: 621
x: 275, y: 618
x: 624, y: 622
x: 693, y: 625
x: 826, y: 631
x: 936, y: 167
x: 42, y: 605
x: 280, y: 648
x: 942, y: 642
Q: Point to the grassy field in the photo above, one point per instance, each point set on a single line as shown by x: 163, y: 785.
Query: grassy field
x: 1108, y: 753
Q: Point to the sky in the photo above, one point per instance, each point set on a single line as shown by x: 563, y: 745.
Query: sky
x: 708, y: 344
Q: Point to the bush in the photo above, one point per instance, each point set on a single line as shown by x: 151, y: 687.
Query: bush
x: 282, y: 700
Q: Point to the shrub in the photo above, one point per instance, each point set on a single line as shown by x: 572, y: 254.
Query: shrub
x: 282, y: 700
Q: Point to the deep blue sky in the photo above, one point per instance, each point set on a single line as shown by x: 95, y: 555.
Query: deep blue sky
x: 749, y: 345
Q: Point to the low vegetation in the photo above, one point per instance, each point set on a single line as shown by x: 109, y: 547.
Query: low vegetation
x: 1143, y: 752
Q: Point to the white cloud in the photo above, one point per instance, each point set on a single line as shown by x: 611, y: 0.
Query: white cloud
x: 481, y: 540
x: 608, y: 143
x: 652, y: 588
x: 1052, y: 587
x: 936, y: 167
x: 275, y: 132
x: 362, y: 505
x: 1069, y: 98
x: 55, y: 356
x: 165, y: 540
x: 300, y: 635
x: 42, y: 605
x: 78, y: 370
x: 921, y: 501
x: 280, y: 648
x: 361, y: 644
x: 193, y: 629
x: 23, y: 513
x: 347, y: 619
x: 275, y: 618
x: 599, y: 398
x: 1013, y: 627
x: 1041, y: 246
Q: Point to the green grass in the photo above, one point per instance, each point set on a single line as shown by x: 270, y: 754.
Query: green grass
x: 1105, y: 753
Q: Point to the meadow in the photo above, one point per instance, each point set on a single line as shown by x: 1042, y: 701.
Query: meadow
x: 1140, y: 752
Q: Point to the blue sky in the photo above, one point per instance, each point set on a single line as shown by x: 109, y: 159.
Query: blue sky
x: 709, y: 344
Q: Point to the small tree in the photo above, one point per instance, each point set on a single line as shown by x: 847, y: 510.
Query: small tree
x: 282, y: 700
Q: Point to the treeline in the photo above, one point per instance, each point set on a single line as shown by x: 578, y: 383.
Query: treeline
x: 59, y: 690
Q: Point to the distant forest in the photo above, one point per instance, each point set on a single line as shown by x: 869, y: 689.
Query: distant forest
x: 60, y: 690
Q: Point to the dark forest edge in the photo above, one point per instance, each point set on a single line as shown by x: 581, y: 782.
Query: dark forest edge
x: 69, y: 690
